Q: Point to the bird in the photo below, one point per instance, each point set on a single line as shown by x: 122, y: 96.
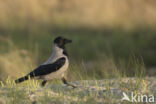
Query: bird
x: 55, y: 67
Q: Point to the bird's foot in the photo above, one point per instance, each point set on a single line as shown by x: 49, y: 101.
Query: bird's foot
x: 73, y: 86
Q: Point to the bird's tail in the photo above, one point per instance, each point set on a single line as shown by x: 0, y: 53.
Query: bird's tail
x: 21, y: 79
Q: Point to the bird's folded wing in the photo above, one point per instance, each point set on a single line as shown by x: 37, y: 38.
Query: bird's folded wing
x: 48, y: 68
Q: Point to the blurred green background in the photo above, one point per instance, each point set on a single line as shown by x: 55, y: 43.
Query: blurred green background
x: 111, y: 38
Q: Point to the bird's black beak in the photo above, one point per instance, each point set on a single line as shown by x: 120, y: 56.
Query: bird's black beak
x: 68, y: 41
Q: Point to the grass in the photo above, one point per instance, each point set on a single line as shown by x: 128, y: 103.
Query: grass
x: 122, y: 53
x: 105, y: 36
x: 111, y: 40
x: 96, y: 14
x: 89, y: 92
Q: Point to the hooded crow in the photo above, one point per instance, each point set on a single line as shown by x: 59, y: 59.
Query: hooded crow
x: 54, y: 67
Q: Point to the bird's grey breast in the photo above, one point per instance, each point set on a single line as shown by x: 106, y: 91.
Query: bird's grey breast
x: 57, y: 54
x: 59, y: 73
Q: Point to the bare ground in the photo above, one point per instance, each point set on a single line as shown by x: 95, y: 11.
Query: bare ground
x: 107, y: 91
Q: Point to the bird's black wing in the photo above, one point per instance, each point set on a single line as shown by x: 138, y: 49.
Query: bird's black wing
x: 48, y: 68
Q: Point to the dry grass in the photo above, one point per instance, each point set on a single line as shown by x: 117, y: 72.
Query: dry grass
x: 14, y: 63
x: 107, y: 91
x: 89, y: 13
x: 34, y: 16
x: 84, y: 63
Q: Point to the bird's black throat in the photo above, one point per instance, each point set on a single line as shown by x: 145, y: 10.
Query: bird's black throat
x: 61, y: 42
x: 64, y: 51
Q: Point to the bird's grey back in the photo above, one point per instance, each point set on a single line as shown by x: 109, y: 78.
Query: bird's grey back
x: 57, y: 53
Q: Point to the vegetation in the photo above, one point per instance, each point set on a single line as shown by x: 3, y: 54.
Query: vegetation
x: 111, y: 39
x: 98, y: 55
x: 101, y: 46
x: 88, y: 92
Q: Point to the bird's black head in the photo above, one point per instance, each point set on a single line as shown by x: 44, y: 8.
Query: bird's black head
x: 61, y: 41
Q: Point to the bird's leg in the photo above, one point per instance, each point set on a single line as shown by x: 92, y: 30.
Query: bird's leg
x: 68, y: 84
x: 43, y: 83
